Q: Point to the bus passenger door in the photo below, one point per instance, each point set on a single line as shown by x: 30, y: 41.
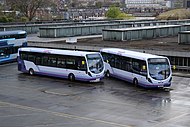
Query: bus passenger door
x: 139, y: 71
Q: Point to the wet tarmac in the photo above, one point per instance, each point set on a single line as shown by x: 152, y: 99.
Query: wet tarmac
x: 40, y: 101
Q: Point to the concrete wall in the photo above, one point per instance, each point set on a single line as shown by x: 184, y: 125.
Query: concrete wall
x: 80, y: 30
x: 32, y: 28
x: 184, y: 37
x: 139, y: 33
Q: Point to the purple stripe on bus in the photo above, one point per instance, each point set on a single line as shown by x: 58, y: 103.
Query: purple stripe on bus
x: 66, y: 76
x: 141, y: 84
x: 61, y: 76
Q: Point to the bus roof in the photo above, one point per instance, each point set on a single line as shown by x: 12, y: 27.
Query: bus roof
x: 55, y: 51
x: 12, y: 32
x: 129, y: 53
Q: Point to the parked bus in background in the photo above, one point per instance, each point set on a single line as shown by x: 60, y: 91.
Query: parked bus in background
x: 10, y: 41
x: 70, y: 64
x: 141, y: 69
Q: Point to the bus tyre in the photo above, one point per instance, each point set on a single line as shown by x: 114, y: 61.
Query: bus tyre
x: 71, y: 77
x: 107, y: 74
x: 135, y: 81
x: 31, y: 71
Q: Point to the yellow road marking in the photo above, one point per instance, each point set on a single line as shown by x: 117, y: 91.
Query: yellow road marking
x: 64, y: 114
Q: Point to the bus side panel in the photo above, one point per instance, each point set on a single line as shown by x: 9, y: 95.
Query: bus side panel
x: 142, y: 80
x: 17, y: 42
x: 81, y: 75
x: 21, y: 66
x: 52, y: 71
x: 13, y: 56
x: 62, y: 73
x: 6, y: 60
x: 128, y: 76
x: 24, y: 66
x: 30, y: 65
x: 108, y: 68
x: 124, y: 75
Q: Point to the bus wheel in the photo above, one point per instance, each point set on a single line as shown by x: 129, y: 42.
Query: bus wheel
x: 135, y: 81
x: 107, y: 73
x: 31, y: 71
x: 71, y: 77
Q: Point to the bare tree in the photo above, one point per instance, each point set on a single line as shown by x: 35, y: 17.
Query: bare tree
x: 27, y: 7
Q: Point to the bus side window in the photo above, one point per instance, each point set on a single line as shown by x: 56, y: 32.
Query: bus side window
x: 23, y: 55
x: 11, y: 50
x: 105, y: 57
x: 61, y: 62
x: 143, y: 68
x: 139, y: 67
x: 31, y: 58
x: 136, y: 66
x: 45, y: 60
x: 2, y: 52
x: 81, y: 64
x: 8, y: 51
x: 128, y: 64
x: 21, y: 36
x: 12, y: 36
x: 14, y: 49
x: 118, y: 62
x: 38, y: 60
x: 52, y: 61
x: 125, y: 64
x: 112, y: 60
x: 70, y: 63
x: 16, y: 36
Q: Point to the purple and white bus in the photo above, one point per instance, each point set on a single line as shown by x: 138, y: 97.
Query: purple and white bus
x: 142, y: 69
x: 69, y: 64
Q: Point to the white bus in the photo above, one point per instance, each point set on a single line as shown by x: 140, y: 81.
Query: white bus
x: 10, y: 41
x: 74, y: 65
x: 141, y: 69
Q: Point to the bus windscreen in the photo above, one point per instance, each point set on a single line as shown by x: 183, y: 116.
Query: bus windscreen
x: 159, y: 68
x: 95, y: 63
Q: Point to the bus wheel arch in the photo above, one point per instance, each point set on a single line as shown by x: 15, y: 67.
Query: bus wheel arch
x: 31, y: 71
x: 71, y: 77
x: 107, y: 73
x: 135, y: 81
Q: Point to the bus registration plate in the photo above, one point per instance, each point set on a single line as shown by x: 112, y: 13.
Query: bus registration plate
x: 96, y: 80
